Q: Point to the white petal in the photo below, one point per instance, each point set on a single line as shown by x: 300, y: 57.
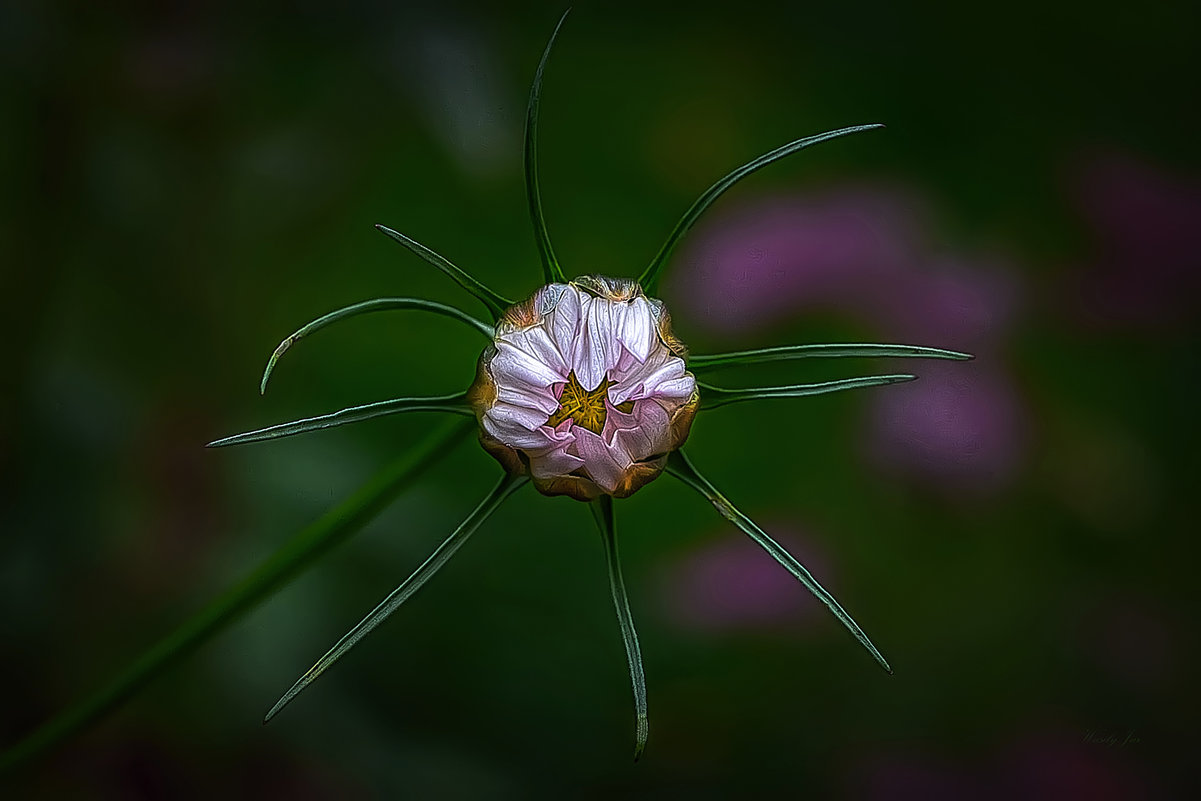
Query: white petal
x: 543, y: 400
x: 564, y: 322
x: 536, y: 342
x: 675, y: 388
x: 630, y: 371
x: 641, y: 381
x: 645, y: 432
x: 516, y: 436
x: 554, y: 463
x: 594, y: 343
x: 636, y: 330
x: 600, y: 461
x: 513, y: 365
x: 508, y: 414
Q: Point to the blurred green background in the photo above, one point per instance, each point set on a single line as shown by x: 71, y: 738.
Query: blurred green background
x: 186, y: 183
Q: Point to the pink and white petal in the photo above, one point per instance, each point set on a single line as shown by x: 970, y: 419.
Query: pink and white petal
x: 635, y: 327
x: 512, y: 365
x: 629, y: 375
x: 645, y: 432
x: 515, y: 436
x: 595, y: 343
x: 563, y: 323
x: 554, y: 463
x: 615, y: 419
x: 648, y: 328
x: 677, y: 388
x: 536, y: 342
x: 601, y: 462
x: 509, y: 414
x: 626, y: 364
x: 644, y: 380
x: 543, y: 399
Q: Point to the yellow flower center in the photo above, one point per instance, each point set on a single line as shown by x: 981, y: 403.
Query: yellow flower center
x: 584, y: 408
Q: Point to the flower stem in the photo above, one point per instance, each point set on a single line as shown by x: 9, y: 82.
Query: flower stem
x: 290, y: 560
x: 602, y: 510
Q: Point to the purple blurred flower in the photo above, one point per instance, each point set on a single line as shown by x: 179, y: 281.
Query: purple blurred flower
x: 867, y: 253
x: 730, y: 584
x: 967, y: 301
x: 961, y: 429
x: 760, y: 264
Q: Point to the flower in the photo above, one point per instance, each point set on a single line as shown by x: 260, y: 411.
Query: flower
x: 585, y: 388
x: 727, y: 586
x: 963, y: 432
x: 868, y: 251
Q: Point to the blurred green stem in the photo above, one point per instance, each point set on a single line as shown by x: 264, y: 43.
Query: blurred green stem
x: 285, y: 564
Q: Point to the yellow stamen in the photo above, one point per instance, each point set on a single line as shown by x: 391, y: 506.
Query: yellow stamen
x: 586, y: 409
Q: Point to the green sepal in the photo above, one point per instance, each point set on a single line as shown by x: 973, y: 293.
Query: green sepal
x: 366, y: 307
x: 650, y: 276
x: 551, y: 271
x: 456, y: 404
x: 679, y: 466
x: 398, y: 596
x: 496, y: 303
x: 712, y: 397
x: 602, y: 511
x: 699, y: 363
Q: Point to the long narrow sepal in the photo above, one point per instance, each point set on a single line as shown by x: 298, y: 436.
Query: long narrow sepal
x: 366, y: 307
x: 398, y: 596
x: 551, y: 271
x: 650, y: 276
x: 712, y: 397
x: 870, y: 351
x: 496, y: 303
x: 679, y: 466
x: 456, y: 404
x: 602, y: 510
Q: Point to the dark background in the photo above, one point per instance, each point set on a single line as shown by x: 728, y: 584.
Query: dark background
x: 186, y: 183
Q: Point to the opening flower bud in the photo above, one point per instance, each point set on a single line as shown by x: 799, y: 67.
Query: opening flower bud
x: 585, y: 389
